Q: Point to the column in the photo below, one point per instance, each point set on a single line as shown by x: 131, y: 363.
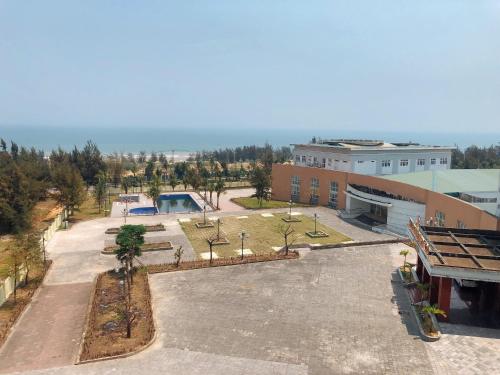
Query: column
x: 444, y: 297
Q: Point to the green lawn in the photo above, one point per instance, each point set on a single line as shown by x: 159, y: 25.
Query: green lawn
x: 262, y: 231
x: 253, y: 203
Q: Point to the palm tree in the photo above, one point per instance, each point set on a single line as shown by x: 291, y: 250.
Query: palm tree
x: 154, y: 191
x: 173, y: 181
x: 211, y: 188
x: 405, y: 253
x: 220, y: 187
x: 427, y: 311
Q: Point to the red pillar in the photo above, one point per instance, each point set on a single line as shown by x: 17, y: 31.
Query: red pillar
x: 444, y: 297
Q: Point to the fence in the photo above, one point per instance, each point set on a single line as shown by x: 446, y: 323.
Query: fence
x: 7, y: 285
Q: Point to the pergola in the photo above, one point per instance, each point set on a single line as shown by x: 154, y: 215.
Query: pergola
x: 445, y: 254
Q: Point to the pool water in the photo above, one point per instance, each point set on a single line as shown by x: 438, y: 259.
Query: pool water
x: 143, y: 211
x: 177, y: 203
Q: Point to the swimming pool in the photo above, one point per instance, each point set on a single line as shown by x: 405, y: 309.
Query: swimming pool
x: 177, y: 203
x: 143, y: 211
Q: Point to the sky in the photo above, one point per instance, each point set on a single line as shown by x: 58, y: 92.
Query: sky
x: 383, y: 65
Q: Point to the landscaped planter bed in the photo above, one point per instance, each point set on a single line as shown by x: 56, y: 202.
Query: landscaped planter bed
x: 144, y: 248
x: 195, y: 264
x: 202, y: 225
x: 317, y: 234
x: 105, y: 332
x: 149, y: 228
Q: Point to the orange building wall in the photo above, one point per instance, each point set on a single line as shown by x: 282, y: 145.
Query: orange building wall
x: 453, y: 208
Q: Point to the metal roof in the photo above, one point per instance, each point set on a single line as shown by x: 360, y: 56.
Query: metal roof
x: 452, y: 180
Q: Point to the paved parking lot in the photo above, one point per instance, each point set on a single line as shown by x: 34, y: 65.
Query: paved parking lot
x: 311, y: 312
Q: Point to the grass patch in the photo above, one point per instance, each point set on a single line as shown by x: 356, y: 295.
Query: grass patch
x: 253, y: 203
x: 262, y: 231
x: 157, y: 246
x: 89, y: 209
x: 105, y: 334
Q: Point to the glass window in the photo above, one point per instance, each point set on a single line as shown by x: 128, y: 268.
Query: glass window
x: 403, y: 163
x: 295, y: 189
x: 297, y: 158
x: 386, y: 163
x: 334, y: 189
x: 303, y: 158
x: 314, y: 190
x: 421, y: 162
x: 323, y: 163
x: 440, y: 219
x: 443, y: 161
x: 433, y: 161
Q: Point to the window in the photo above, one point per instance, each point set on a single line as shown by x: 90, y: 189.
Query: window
x: 460, y: 224
x: 295, y: 196
x: 386, y: 163
x: 314, y: 190
x: 403, y: 163
x: 443, y: 161
x: 440, y: 218
x: 421, y: 162
x: 329, y: 162
x: 433, y: 161
x: 332, y: 199
x: 323, y: 163
x: 303, y: 159
x: 360, y: 161
x: 297, y: 158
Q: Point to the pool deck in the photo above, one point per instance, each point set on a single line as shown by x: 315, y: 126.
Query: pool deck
x: 144, y: 201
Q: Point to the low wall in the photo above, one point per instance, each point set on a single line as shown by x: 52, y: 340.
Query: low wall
x: 7, y: 285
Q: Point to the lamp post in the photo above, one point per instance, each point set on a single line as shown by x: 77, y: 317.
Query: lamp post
x: 204, y: 214
x: 315, y: 219
x: 125, y: 211
x: 243, y: 235
x: 290, y: 214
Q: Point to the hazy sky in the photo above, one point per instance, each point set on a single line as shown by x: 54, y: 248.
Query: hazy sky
x: 375, y: 65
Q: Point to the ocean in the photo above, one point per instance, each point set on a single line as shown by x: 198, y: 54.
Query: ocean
x: 187, y: 140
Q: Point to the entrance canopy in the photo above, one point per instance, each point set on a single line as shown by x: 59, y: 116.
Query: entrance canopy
x: 469, y: 254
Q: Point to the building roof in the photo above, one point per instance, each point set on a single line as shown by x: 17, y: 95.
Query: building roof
x: 370, y: 145
x: 452, y: 180
x: 456, y: 252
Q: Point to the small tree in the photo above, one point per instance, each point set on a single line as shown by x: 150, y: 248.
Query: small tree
x: 405, y: 253
x: 427, y: 311
x: 29, y: 251
x: 178, y: 254
x: 211, y: 241
x: 211, y: 188
x: 14, y: 261
x: 173, y: 182
x: 129, y: 239
x: 220, y: 187
x: 69, y: 183
x: 185, y: 182
x: 154, y: 191
x: 100, y: 191
x: 261, y: 181
x: 287, y: 231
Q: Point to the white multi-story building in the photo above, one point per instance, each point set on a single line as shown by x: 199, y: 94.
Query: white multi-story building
x: 372, y: 157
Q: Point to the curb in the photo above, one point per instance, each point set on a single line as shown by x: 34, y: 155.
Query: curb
x: 87, y: 318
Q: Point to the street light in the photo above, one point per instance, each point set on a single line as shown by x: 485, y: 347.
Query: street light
x: 243, y: 235
x: 290, y: 204
x: 315, y: 219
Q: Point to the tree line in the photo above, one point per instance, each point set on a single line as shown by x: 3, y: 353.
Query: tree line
x: 474, y: 157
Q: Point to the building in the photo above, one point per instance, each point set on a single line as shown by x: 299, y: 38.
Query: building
x: 469, y: 256
x: 448, y: 198
x: 372, y: 157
